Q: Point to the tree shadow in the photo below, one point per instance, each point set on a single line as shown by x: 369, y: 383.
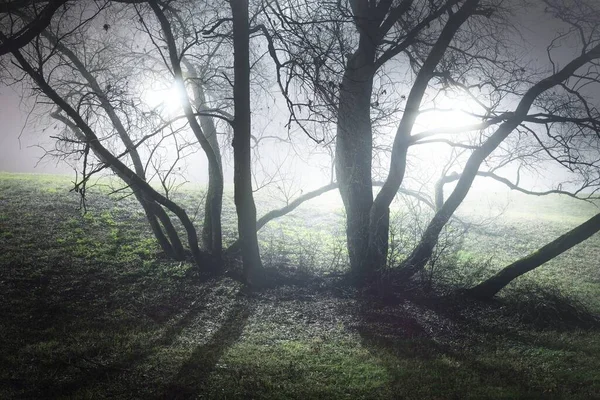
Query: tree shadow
x: 127, y: 371
x: 417, y: 343
x: 194, y: 372
x: 456, y: 342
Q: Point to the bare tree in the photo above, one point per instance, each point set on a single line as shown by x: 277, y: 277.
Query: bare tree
x: 488, y: 288
x: 89, y: 103
x: 359, y: 66
x: 336, y: 54
x: 355, y: 44
x: 212, y: 227
x: 575, y: 133
x: 244, y: 200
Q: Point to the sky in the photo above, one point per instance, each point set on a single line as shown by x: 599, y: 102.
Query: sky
x: 18, y: 146
x: 19, y: 151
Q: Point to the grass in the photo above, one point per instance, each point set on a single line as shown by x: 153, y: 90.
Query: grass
x: 90, y: 310
x: 526, y: 224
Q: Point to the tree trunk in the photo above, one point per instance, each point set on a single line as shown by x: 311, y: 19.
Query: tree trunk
x: 212, y: 154
x: 488, y: 288
x: 154, y: 212
x: 379, y: 236
x: 244, y: 200
x: 402, y: 141
x: 354, y: 146
x: 113, y: 162
x: 166, y: 222
x: 211, y: 230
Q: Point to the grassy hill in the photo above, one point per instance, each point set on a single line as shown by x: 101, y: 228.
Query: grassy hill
x: 89, y: 309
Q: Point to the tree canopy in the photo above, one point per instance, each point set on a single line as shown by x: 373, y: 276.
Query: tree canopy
x: 370, y: 85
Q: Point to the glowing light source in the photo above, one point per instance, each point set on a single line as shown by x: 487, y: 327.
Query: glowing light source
x: 452, y: 111
x: 167, y: 98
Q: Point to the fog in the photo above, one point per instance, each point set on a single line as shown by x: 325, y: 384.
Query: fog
x: 21, y: 150
x: 281, y: 167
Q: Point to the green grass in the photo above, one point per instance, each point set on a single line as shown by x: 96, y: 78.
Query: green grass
x: 89, y: 310
x: 525, y: 224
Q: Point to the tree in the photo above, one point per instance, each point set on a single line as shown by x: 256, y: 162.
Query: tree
x: 343, y: 74
x: 244, y: 200
x: 89, y: 104
x: 172, y: 245
x: 568, y: 115
x: 92, y: 100
x: 491, y: 286
x: 357, y: 68
x: 448, y: 45
x: 214, y: 199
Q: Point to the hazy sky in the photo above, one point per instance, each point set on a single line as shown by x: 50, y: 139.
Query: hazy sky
x: 20, y: 155
x: 17, y: 151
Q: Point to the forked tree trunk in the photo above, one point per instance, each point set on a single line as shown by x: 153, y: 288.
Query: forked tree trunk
x: 154, y: 212
x: 171, y: 246
x: 211, y: 229
x: 244, y: 200
x: 379, y: 216
x: 488, y: 288
x: 379, y: 236
x: 214, y: 209
x: 110, y: 159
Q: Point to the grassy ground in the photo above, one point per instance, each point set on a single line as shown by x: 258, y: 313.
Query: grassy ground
x: 88, y: 310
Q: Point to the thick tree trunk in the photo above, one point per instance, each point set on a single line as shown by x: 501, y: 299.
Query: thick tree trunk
x: 488, y: 288
x: 354, y: 146
x: 212, y: 237
x: 244, y: 200
x: 379, y: 236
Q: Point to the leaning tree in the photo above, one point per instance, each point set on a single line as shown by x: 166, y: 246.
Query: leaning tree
x: 93, y: 61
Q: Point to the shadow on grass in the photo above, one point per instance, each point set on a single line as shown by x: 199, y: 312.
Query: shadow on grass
x: 549, y: 308
x: 458, y: 347
x: 193, y: 373
x: 420, y: 363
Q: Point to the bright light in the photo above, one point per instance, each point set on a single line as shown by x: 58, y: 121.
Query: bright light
x: 439, y: 124
x: 452, y: 111
x: 164, y: 97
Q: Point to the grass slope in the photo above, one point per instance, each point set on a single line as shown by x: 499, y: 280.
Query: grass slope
x: 88, y: 310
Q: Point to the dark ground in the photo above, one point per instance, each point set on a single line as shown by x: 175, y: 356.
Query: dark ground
x: 88, y: 310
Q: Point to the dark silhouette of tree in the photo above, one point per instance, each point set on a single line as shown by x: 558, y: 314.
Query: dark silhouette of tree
x: 337, y: 55
x: 336, y: 64
x: 63, y: 72
x: 23, y: 33
x: 244, y: 200
x: 344, y: 67
x: 212, y: 228
x: 488, y: 288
